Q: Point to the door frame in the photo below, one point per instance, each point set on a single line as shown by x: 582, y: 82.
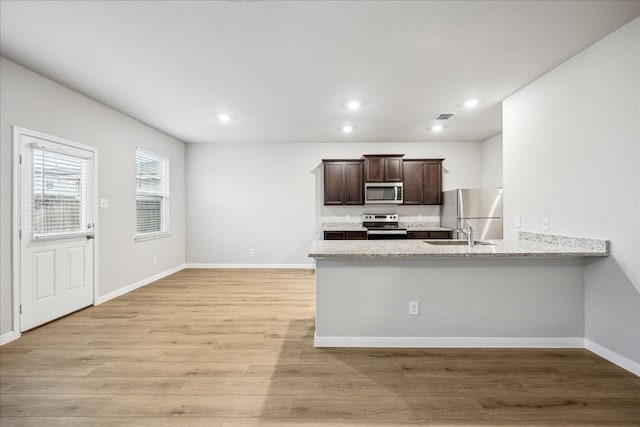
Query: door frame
x: 17, y: 133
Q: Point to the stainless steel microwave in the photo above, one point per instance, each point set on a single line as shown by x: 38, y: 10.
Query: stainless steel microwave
x: 383, y: 193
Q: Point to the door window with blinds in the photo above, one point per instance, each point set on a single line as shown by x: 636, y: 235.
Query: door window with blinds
x: 61, y: 191
x: 152, y: 195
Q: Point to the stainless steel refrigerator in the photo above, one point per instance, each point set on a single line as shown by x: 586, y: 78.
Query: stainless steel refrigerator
x: 482, y: 208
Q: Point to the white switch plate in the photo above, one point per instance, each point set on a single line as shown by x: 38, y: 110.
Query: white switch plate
x: 104, y: 203
x: 545, y: 224
x: 414, y: 308
x: 517, y: 222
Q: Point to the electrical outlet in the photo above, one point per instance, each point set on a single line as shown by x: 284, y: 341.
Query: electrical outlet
x: 414, y: 308
x: 104, y: 203
x: 517, y: 222
x: 545, y: 224
x: 155, y: 260
x: 252, y: 251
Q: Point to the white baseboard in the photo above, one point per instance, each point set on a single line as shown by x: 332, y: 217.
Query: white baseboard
x: 118, y: 292
x: 8, y: 337
x: 465, y: 342
x: 292, y: 266
x: 613, y: 357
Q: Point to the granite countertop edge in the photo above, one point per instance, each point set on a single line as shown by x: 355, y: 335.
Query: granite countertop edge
x: 458, y: 255
x: 528, y: 245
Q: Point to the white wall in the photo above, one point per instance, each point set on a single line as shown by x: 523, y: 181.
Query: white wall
x: 268, y: 196
x: 572, y: 154
x: 35, y: 102
x: 492, y: 162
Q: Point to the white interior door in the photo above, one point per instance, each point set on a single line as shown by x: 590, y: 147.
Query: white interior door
x: 57, y: 203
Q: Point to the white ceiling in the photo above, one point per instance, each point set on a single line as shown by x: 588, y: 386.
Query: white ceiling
x: 284, y: 70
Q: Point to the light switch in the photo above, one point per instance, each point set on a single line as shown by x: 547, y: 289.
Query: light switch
x: 104, y: 203
x: 517, y: 222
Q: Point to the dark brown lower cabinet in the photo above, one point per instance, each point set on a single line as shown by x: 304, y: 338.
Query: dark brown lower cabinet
x: 334, y: 235
x: 345, y: 235
x: 439, y: 234
x: 362, y: 235
x: 355, y: 235
x: 418, y: 235
x: 428, y: 235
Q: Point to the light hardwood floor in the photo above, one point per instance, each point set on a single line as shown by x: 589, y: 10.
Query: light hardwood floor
x: 235, y: 348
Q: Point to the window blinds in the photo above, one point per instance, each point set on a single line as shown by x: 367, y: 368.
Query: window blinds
x: 61, y: 193
x: 151, y: 193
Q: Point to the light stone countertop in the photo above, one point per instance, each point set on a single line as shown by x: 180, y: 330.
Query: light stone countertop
x: 528, y: 245
x: 418, y: 227
x: 357, y: 226
x: 343, y: 226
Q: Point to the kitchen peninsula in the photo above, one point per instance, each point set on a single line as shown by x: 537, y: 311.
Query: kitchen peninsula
x: 527, y: 293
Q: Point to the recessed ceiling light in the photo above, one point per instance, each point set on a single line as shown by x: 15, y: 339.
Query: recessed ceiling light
x: 470, y: 103
x: 354, y: 105
x: 224, y: 118
x: 436, y: 128
x: 347, y: 128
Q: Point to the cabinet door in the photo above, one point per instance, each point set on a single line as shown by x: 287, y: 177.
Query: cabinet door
x: 354, y: 185
x: 374, y: 169
x: 355, y: 235
x: 393, y: 169
x: 413, y: 178
x: 418, y: 235
x: 333, y: 183
x: 334, y: 235
x: 432, y: 194
x: 440, y: 234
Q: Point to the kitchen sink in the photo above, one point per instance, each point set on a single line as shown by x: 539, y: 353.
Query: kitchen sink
x: 456, y: 243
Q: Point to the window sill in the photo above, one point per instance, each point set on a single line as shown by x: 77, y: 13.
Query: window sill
x: 152, y: 236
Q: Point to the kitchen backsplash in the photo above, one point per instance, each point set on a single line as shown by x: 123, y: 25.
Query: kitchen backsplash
x: 413, y: 220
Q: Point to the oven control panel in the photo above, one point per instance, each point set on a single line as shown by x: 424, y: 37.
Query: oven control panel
x: 380, y: 217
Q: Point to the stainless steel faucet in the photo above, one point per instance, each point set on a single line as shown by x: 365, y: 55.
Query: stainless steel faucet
x: 469, y: 233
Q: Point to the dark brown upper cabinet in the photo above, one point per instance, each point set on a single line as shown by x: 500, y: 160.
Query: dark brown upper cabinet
x: 422, y: 181
x: 343, y: 182
x: 413, y: 184
x: 432, y: 193
x: 383, y: 167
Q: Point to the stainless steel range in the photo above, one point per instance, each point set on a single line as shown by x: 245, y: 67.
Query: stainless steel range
x: 383, y: 226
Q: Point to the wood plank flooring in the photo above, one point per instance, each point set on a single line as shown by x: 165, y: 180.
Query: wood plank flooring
x: 235, y: 348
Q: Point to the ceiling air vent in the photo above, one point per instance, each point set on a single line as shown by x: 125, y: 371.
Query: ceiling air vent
x: 444, y: 116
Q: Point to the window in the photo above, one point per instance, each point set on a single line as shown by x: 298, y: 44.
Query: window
x: 152, y: 195
x: 60, y: 192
